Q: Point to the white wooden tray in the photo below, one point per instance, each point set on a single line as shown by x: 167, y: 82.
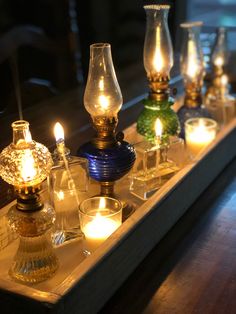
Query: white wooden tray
x: 83, y: 285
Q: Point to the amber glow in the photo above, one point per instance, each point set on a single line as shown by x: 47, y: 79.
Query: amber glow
x: 28, y: 170
x: 224, y: 80
x: 103, y: 102
x: 102, y: 203
x: 158, y: 61
x: 192, y: 66
x: 219, y: 61
x: 100, y: 228
x: 58, y: 132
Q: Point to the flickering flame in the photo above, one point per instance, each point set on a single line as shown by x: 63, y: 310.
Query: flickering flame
x: 28, y: 170
x: 58, y: 132
x: 104, y: 102
x: 158, y: 61
x: 219, y: 61
x: 192, y: 65
x: 158, y: 128
x: 101, y: 84
x: 224, y: 80
x: 102, y: 203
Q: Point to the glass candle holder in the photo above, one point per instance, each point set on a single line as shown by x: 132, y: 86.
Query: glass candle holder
x: 200, y: 132
x: 99, y: 218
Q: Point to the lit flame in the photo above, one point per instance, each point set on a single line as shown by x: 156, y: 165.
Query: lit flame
x: 28, y: 170
x: 192, y: 66
x: 219, y: 61
x: 101, y: 84
x: 102, y: 203
x: 224, y: 80
x: 104, y: 102
x: 158, y: 61
x: 158, y: 128
x: 58, y: 132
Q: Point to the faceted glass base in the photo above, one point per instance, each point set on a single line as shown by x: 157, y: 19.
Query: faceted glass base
x: 153, y: 167
x: 144, y: 184
x: 166, y: 170
x: 35, y: 260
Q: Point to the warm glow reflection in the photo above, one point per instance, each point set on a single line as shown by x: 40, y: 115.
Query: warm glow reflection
x: 158, y: 61
x: 158, y: 128
x: 101, y: 84
x: 102, y: 203
x: 58, y: 132
x: 28, y: 170
x: 192, y: 61
x: 224, y: 80
x: 60, y: 195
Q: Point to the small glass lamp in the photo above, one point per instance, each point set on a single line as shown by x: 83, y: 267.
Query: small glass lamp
x: 110, y: 158
x: 192, y: 69
x: 158, y: 60
x: 220, y: 52
x: 152, y: 167
x: 26, y: 164
x: 67, y: 181
x: 220, y: 103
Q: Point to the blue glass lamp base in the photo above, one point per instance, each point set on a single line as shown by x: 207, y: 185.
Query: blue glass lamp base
x: 108, y: 165
x: 186, y: 113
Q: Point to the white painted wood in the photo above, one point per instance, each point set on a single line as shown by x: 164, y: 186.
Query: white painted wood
x: 84, y: 285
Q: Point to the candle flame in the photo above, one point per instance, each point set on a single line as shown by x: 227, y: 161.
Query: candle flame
x: 158, y: 128
x: 104, y: 102
x: 102, y: 203
x: 158, y: 61
x: 28, y: 170
x: 219, y: 61
x: 58, y: 132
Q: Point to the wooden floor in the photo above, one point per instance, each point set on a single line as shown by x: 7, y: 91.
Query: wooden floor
x: 193, y: 269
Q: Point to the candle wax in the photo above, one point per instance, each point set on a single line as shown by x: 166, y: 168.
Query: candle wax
x: 198, y: 138
x: 98, y: 230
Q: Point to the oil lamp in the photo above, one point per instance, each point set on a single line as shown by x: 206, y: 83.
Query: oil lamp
x: 110, y: 158
x: 192, y: 69
x: 25, y: 164
x: 158, y: 60
x: 68, y: 179
x: 219, y: 56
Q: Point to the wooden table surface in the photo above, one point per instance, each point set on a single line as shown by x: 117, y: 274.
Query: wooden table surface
x: 193, y: 269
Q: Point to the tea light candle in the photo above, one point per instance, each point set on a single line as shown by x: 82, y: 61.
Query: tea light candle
x: 200, y: 132
x: 99, y: 217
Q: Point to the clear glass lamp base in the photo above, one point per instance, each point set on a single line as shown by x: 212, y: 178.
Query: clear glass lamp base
x: 35, y: 260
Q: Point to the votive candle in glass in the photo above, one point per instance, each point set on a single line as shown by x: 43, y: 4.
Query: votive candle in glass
x: 99, y: 218
x: 200, y: 132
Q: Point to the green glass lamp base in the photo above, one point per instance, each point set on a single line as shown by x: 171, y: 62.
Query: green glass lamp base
x: 154, y: 109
